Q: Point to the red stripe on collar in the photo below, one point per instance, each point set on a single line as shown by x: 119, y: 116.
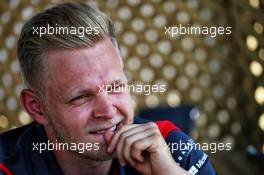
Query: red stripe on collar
x: 166, y: 127
x: 4, y: 169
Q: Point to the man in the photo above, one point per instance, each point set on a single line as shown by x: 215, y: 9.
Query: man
x: 66, y: 54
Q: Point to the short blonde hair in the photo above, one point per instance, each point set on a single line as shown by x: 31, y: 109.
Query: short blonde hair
x: 32, y: 46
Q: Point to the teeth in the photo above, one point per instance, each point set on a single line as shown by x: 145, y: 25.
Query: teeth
x: 100, y: 132
x: 103, y: 131
x: 113, y: 128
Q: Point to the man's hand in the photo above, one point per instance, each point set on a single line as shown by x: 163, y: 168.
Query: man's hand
x: 143, y: 147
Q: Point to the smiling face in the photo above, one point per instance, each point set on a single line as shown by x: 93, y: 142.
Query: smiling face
x: 77, y: 110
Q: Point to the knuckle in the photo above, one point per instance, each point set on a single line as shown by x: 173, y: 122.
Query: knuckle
x: 123, y: 136
x: 157, y: 136
x: 152, y: 125
x: 127, y: 141
x: 136, y: 146
x: 155, y: 130
x: 122, y: 129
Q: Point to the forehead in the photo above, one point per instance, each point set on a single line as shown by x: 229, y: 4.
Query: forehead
x: 95, y: 64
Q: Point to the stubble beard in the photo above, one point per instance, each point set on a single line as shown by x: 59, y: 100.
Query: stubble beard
x: 64, y: 135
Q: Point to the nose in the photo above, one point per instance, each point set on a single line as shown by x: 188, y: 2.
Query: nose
x: 103, y: 107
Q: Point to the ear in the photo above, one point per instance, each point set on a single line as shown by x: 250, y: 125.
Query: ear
x: 31, y: 104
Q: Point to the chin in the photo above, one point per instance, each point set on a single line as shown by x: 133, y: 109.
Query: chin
x: 100, y: 155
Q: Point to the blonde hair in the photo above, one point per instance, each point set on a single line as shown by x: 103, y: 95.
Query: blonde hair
x: 32, y: 46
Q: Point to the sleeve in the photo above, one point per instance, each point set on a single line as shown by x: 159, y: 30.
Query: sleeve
x: 184, y: 151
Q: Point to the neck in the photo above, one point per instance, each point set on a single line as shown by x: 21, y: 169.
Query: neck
x: 72, y: 164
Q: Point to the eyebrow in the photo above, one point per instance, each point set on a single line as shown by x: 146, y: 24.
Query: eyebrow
x: 84, y: 90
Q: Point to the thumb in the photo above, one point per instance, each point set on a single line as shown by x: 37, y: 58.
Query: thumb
x: 108, y: 136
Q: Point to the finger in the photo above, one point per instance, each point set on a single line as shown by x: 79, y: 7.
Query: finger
x: 108, y: 136
x: 149, y: 144
x: 119, y: 148
x: 130, y: 140
x: 113, y: 142
x: 122, y: 136
x: 120, y: 142
x: 116, y: 136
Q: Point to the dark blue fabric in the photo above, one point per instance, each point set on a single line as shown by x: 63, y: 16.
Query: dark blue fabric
x: 16, y: 152
x: 179, y: 115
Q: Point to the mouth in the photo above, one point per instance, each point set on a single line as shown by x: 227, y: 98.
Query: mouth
x: 112, y: 128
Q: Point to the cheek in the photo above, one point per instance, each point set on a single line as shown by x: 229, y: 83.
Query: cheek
x: 124, y: 103
x: 80, y: 114
x: 74, y: 118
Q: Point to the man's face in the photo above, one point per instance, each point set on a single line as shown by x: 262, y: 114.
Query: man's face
x: 76, y: 108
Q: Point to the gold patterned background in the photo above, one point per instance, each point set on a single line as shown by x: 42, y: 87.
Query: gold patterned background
x: 222, y: 75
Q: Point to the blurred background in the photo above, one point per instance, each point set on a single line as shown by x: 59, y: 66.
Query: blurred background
x: 215, y: 85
